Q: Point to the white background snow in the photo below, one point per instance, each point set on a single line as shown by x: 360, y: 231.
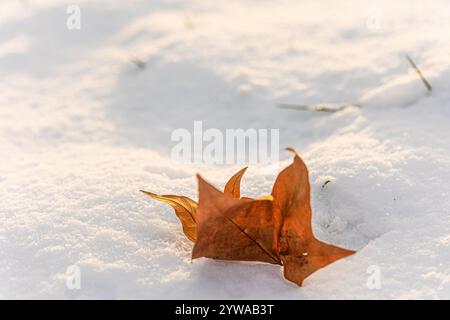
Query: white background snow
x: 83, y: 129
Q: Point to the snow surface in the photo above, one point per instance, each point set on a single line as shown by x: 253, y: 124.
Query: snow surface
x: 83, y: 129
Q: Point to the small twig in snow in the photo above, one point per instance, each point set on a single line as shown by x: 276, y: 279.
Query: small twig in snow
x: 425, y: 82
x: 322, y: 107
x: 139, y: 63
x: 325, y: 183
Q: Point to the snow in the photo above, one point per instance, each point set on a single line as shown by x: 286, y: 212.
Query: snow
x: 83, y: 129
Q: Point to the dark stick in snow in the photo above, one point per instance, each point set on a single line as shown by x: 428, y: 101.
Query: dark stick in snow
x: 413, y: 64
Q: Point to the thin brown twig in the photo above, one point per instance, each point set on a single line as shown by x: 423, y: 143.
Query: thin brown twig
x: 415, y: 67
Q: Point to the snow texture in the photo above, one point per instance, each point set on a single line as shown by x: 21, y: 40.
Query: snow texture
x: 83, y: 128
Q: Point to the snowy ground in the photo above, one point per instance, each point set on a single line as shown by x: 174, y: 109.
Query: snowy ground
x: 83, y: 129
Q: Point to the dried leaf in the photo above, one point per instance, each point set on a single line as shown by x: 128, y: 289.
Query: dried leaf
x: 185, y: 209
x: 233, y: 186
x: 301, y: 253
x: 275, y: 229
x: 233, y: 229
